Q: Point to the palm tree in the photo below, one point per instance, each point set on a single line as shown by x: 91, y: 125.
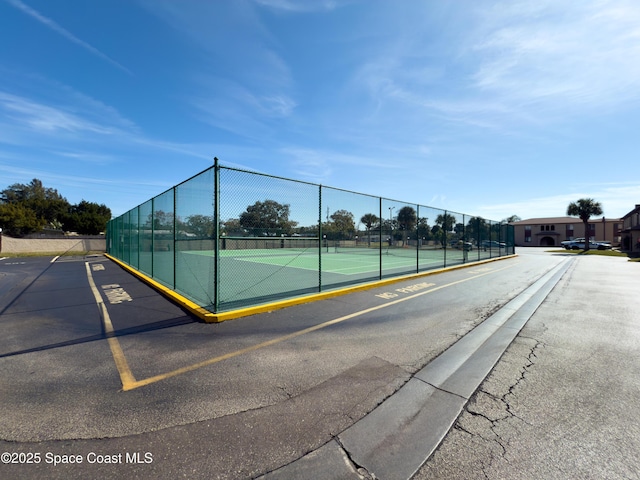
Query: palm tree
x: 584, y: 208
x: 407, y: 220
x: 369, y: 220
x: 446, y: 222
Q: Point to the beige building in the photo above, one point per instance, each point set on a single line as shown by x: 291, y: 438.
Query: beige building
x: 549, y: 232
x: 631, y: 231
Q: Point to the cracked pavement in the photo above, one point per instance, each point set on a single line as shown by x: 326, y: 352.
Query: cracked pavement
x: 395, y: 439
x: 562, y: 401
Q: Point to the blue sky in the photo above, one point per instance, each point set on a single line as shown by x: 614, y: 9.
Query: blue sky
x: 490, y: 108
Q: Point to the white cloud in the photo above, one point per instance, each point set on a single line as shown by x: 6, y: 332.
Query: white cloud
x: 520, y: 64
x: 277, y: 105
x: 300, y: 5
x: 77, y: 128
x: 46, y: 119
x: 311, y: 165
x: 71, y: 180
x: 616, y: 201
x: 581, y: 55
x: 242, y: 86
x: 65, y: 33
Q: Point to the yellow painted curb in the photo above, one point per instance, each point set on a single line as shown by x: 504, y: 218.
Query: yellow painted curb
x: 184, y: 302
x: 210, y: 317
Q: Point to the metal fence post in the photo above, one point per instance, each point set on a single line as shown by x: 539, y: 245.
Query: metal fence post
x: 380, y: 242
x: 153, y: 232
x: 417, y: 239
x: 465, y: 253
x: 319, y: 238
x: 175, y: 235
x: 138, y: 242
x: 216, y: 233
x: 444, y: 235
x: 479, y: 235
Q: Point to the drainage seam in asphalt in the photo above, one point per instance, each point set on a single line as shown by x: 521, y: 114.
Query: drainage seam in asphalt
x: 396, y: 439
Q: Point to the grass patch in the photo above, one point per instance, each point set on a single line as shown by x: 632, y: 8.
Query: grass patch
x: 602, y: 253
x: 593, y: 251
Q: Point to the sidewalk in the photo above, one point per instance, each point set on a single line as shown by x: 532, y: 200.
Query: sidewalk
x: 563, y: 401
x: 394, y: 440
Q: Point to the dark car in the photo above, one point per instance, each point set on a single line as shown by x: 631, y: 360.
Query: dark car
x: 462, y: 245
x: 492, y: 244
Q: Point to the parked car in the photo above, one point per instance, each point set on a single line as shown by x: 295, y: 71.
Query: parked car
x: 492, y: 244
x: 580, y: 245
x: 567, y: 242
x: 462, y: 245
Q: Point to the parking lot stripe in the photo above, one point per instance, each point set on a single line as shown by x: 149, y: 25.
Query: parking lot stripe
x: 126, y: 377
x: 211, y: 361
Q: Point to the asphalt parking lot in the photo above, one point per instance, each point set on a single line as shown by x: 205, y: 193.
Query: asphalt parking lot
x: 99, y: 366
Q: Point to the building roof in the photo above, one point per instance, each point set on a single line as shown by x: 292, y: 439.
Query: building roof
x: 560, y: 220
x: 635, y: 210
x: 546, y: 220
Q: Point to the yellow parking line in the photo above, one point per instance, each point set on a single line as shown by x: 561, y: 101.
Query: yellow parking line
x: 126, y: 377
x: 211, y: 361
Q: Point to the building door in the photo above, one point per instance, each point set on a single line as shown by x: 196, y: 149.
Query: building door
x: 547, y: 242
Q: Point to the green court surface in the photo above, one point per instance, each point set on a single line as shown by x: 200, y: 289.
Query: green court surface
x: 338, y: 263
x: 255, y: 276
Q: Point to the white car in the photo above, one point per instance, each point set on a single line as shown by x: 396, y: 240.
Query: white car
x: 580, y: 245
x: 567, y: 242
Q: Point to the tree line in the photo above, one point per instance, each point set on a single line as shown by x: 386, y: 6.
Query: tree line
x: 30, y: 208
x: 270, y: 218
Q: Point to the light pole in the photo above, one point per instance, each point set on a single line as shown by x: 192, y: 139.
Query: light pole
x: 391, y: 224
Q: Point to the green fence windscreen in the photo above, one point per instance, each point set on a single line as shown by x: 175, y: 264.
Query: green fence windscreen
x: 228, y: 238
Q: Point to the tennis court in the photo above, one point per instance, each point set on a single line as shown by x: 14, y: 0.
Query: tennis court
x: 334, y: 261
x: 270, y: 274
x: 228, y: 239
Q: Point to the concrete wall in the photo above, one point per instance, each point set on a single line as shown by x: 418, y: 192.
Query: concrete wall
x: 51, y: 245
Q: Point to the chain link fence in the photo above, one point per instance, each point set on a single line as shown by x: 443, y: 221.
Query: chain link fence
x: 228, y: 238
